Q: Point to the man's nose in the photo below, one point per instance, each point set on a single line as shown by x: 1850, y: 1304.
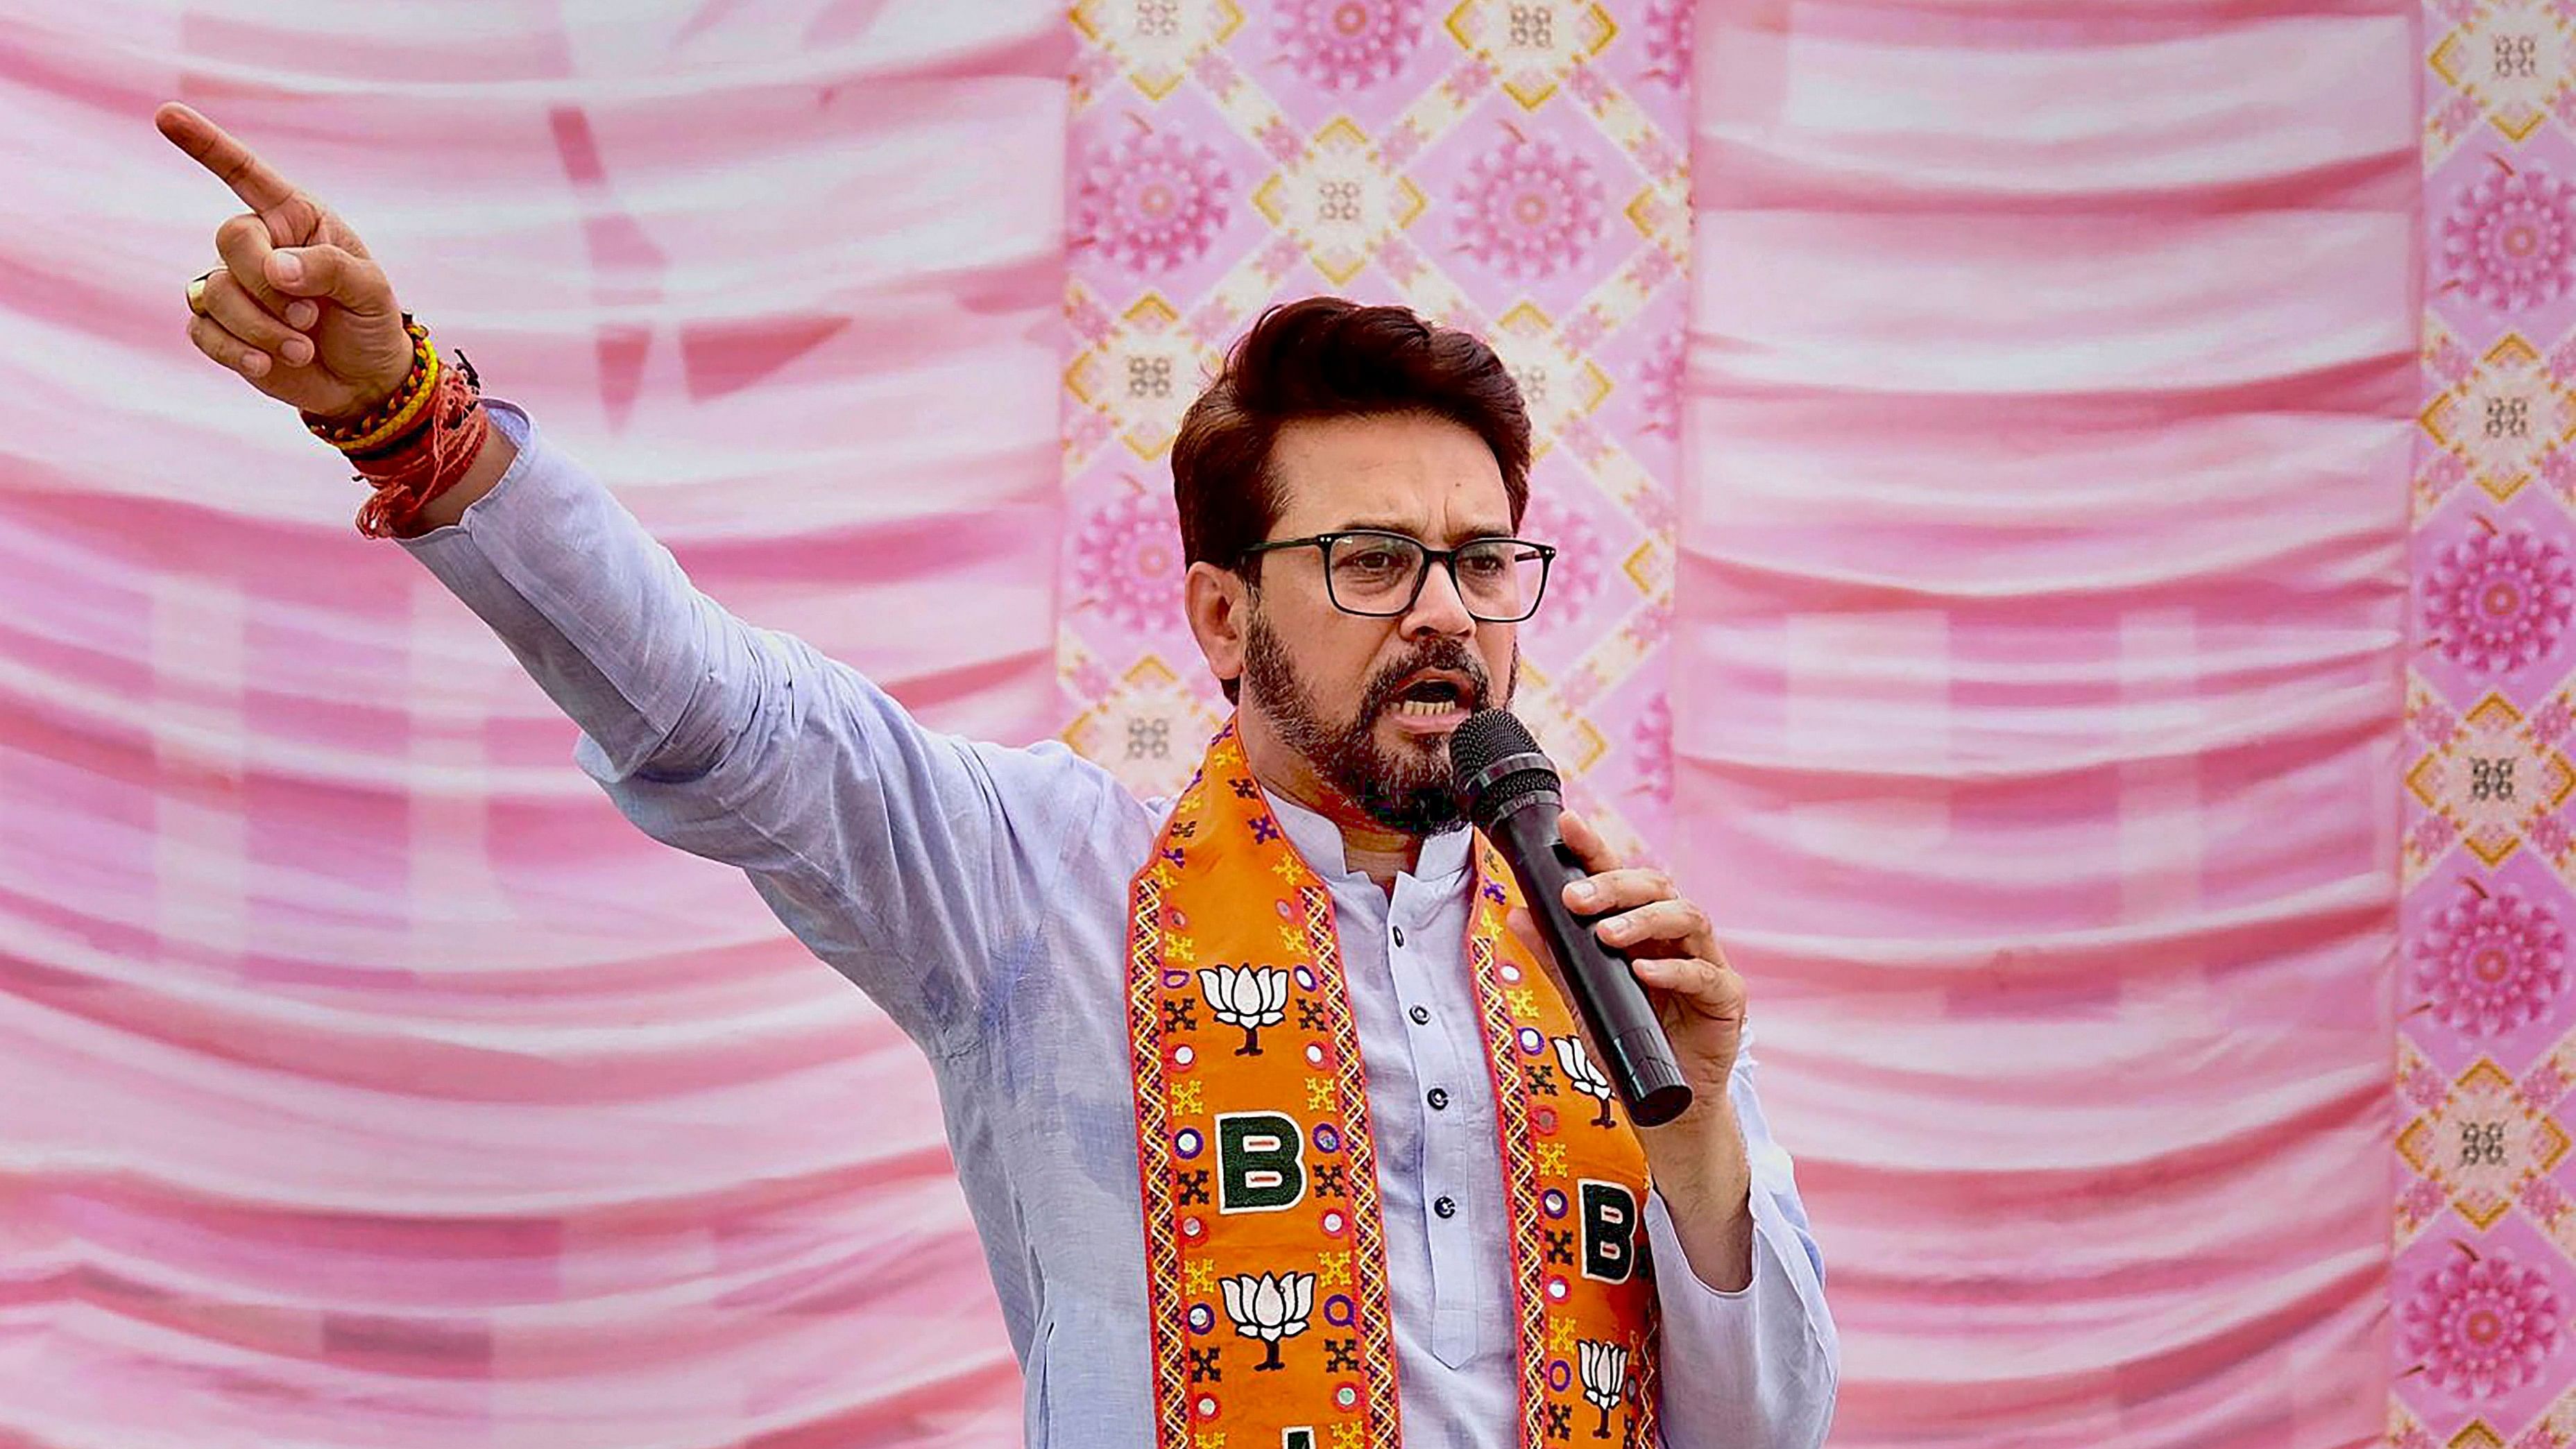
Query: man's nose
x: 1438, y: 608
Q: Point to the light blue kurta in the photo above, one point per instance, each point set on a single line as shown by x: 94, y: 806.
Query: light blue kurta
x: 978, y: 894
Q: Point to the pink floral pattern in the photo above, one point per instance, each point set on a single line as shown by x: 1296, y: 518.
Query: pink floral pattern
x: 2449, y: 362
x: 1127, y: 561
x: 1574, y: 579
x: 2510, y: 241
x: 2497, y: 601
x: 1651, y: 739
x: 1153, y: 202
x: 1529, y: 208
x: 2481, y: 1327
x: 2489, y: 963
x: 1347, y: 45
x: 2422, y: 1200
x: 1667, y: 31
x: 2544, y: 1199
x: 2426, y: 1087
x: 2544, y: 1085
x: 2549, y: 723
x: 1659, y: 383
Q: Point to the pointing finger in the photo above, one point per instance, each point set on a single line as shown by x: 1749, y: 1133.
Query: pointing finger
x: 253, y: 180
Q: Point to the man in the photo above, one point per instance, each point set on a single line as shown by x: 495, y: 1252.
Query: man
x: 1274, y: 1132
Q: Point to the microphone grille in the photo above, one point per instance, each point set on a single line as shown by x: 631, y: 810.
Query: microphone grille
x: 1488, y: 736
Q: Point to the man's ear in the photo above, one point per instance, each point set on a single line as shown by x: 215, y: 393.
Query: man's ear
x: 1216, y: 600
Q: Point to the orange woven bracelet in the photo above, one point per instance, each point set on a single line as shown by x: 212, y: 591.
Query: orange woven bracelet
x: 434, y: 457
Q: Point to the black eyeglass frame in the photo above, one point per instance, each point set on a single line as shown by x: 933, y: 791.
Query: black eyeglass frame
x: 1447, y: 558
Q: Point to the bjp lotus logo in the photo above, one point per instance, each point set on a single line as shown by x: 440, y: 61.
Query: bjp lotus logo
x: 1605, y: 1378
x: 1269, y: 1307
x: 1582, y: 1075
x: 1250, y: 997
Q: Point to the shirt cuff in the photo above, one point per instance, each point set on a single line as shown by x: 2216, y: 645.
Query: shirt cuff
x: 513, y: 423
x: 1756, y: 1366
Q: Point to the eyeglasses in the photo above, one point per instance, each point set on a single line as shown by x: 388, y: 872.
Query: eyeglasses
x: 1379, y: 575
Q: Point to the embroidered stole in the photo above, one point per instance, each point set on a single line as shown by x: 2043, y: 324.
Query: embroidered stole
x: 1264, y: 1245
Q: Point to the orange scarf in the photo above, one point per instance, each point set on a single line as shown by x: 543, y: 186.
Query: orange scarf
x: 1264, y: 1247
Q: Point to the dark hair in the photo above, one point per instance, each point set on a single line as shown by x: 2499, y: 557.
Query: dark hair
x: 1328, y: 357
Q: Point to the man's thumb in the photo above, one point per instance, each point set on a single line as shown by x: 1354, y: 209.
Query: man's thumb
x: 329, y: 271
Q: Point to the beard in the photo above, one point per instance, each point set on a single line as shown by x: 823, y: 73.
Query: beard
x: 1409, y: 789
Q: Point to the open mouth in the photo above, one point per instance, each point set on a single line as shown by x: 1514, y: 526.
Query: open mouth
x: 1431, y: 698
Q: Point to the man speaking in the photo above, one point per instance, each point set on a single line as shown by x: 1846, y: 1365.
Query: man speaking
x: 1270, y: 1110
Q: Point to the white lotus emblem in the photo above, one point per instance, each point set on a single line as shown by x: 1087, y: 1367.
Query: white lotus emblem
x: 1269, y: 1307
x: 1583, y: 1075
x: 1250, y: 997
x: 1605, y: 1378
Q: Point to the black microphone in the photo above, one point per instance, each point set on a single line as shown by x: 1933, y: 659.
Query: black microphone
x: 1514, y: 796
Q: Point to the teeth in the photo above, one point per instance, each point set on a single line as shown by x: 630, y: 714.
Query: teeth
x: 1424, y: 706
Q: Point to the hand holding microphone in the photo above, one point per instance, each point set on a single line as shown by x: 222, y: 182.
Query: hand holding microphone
x: 1664, y: 1012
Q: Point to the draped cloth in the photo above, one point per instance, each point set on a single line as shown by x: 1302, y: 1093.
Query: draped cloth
x: 2030, y: 656
x: 2036, y: 702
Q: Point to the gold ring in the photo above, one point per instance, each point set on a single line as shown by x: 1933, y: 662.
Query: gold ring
x: 197, y: 295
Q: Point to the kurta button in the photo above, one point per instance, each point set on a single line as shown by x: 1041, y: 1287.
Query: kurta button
x: 1421, y: 1015
x: 1446, y: 1207
x: 1439, y: 1099
x: 1399, y: 935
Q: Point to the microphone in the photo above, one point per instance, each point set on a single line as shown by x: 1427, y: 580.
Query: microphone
x: 1514, y: 796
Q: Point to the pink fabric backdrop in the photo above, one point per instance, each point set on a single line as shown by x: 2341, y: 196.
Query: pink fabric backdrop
x: 2026, y: 595
x: 2036, y: 693
x: 2486, y: 1204
x: 368, y: 1081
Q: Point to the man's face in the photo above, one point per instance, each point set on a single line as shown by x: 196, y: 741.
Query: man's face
x: 1368, y: 704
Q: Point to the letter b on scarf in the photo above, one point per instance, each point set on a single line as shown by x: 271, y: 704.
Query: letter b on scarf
x: 1609, y: 1231
x: 1260, y: 1161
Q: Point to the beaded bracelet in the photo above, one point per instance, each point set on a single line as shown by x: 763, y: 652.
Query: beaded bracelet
x: 386, y: 421
x: 423, y: 385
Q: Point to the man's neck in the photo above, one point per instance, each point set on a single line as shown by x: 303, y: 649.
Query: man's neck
x: 1367, y: 846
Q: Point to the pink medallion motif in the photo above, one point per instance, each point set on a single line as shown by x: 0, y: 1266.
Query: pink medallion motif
x: 2489, y: 964
x: 1529, y: 208
x: 2499, y: 601
x: 1346, y: 45
x: 2482, y: 1327
x: 1128, y: 561
x: 2510, y: 241
x: 1153, y: 203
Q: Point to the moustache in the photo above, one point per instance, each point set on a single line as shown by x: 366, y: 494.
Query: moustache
x: 1390, y: 683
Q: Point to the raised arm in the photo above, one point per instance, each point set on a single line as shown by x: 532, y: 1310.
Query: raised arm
x: 899, y: 855
x: 298, y: 308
